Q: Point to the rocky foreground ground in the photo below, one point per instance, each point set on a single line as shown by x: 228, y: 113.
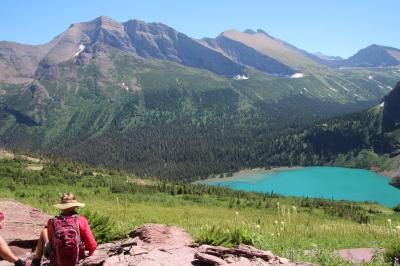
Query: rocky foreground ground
x: 150, y: 244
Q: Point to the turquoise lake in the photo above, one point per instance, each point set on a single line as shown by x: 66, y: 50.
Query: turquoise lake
x: 320, y: 182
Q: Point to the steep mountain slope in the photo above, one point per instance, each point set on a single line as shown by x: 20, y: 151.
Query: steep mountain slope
x: 249, y: 56
x: 375, y: 56
x: 366, y: 139
x: 271, y: 47
x: 19, y: 62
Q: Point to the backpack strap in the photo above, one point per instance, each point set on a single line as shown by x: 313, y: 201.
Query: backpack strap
x: 76, y: 218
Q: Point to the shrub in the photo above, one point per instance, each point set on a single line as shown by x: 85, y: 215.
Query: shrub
x: 397, y: 208
x: 213, y: 236
x: 240, y: 235
x: 103, y: 228
x: 392, y: 253
x: 217, y: 236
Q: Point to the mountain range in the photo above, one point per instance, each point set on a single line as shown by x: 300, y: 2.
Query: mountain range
x: 228, y: 54
x: 146, y: 98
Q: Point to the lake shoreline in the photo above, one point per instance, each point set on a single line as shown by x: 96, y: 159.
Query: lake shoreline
x: 329, y: 182
x: 244, y: 172
x: 388, y: 173
x: 250, y: 171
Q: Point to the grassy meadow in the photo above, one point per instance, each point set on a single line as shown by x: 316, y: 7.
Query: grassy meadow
x: 301, y: 229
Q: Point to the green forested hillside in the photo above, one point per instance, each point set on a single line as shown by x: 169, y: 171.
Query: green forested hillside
x: 172, y: 121
x: 366, y: 139
x: 162, y: 119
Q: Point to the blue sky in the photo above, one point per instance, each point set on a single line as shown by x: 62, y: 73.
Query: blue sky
x: 335, y: 27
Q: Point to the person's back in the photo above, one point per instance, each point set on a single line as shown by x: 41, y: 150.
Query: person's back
x: 67, y: 236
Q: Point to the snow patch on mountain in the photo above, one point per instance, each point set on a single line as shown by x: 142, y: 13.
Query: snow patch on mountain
x: 297, y: 75
x: 80, y: 49
x: 125, y: 86
x: 240, y: 77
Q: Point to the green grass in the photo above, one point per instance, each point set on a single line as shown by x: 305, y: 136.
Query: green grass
x: 300, y: 229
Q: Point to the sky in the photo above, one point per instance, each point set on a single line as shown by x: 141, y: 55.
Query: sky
x: 333, y: 27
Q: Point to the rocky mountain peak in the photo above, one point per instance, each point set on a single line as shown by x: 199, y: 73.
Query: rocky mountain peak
x: 104, y: 21
x: 137, y: 26
x: 249, y: 31
x: 265, y: 33
x: 373, y: 56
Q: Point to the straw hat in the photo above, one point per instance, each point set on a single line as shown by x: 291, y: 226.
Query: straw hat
x: 68, y: 200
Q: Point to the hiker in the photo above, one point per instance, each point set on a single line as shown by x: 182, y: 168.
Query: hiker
x: 5, y: 251
x: 68, y: 225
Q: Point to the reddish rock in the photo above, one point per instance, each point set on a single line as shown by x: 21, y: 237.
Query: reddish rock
x: 209, y: 259
x: 23, y: 223
x: 22, y: 229
x: 358, y: 255
x: 251, y: 252
x: 160, y: 234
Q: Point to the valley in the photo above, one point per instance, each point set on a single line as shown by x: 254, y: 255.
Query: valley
x: 145, y: 98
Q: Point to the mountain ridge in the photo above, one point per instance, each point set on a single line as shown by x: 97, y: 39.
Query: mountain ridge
x: 157, y: 40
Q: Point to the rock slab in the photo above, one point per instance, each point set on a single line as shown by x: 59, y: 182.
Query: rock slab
x: 23, y: 225
x: 358, y: 255
x: 157, y: 244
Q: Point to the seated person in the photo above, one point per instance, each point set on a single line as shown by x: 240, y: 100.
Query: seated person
x: 5, y: 252
x: 68, y: 221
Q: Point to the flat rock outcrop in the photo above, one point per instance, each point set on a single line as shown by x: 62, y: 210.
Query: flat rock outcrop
x: 358, y: 255
x: 157, y: 244
x: 150, y: 244
x: 22, y: 227
x: 23, y: 223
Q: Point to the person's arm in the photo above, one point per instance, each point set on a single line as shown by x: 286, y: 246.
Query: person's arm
x: 87, y: 235
x: 5, y: 252
x: 8, y: 255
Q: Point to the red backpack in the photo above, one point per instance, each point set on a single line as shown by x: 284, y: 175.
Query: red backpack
x: 65, y: 240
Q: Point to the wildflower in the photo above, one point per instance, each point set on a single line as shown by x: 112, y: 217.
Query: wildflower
x: 237, y: 213
x: 276, y: 222
x: 389, y: 220
x: 282, y: 222
x: 258, y: 226
x: 272, y: 234
x: 398, y: 227
x: 281, y: 228
x: 278, y: 234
